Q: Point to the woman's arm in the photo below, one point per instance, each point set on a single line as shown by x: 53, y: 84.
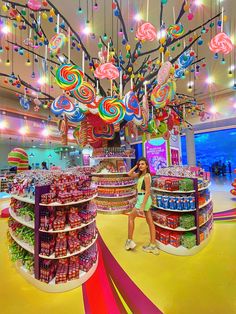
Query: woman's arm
x: 131, y: 173
x: 147, y: 180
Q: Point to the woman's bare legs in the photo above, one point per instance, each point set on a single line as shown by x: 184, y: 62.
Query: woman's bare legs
x: 131, y: 219
x: 151, y: 226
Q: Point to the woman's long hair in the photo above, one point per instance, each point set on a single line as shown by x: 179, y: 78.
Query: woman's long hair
x: 146, y: 161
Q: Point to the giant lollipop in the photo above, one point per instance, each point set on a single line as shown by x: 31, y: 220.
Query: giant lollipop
x: 56, y: 43
x: 132, y: 107
x: 77, y: 116
x: 175, y: 30
x: 221, y: 43
x: 62, y: 104
x: 85, y: 93
x: 164, y: 73
x: 69, y: 77
x: 111, y: 110
x: 106, y: 70
x: 186, y: 59
x: 163, y: 95
x: 146, y: 31
x: 24, y: 102
x: 19, y: 158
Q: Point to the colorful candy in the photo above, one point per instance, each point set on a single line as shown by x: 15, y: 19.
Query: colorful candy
x: 221, y: 43
x: 179, y: 73
x: 19, y: 158
x: 30, y: 43
x: 106, y: 70
x: 164, y: 73
x: 93, y: 107
x: 185, y: 59
x: 111, y: 110
x: 132, y: 106
x: 34, y: 5
x: 62, y: 104
x: 146, y: 31
x: 85, y: 93
x: 77, y: 116
x: 105, y: 131
x: 24, y: 102
x: 69, y: 77
x: 163, y: 95
x: 175, y: 30
x: 56, y: 43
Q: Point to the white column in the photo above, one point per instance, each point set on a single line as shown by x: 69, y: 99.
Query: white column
x: 190, y: 147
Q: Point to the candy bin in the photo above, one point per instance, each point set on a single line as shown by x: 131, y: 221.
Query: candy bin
x: 173, y: 221
x: 61, y: 245
x: 47, y: 270
x: 47, y: 244
x: 74, y: 269
x: 165, y: 236
x: 74, y: 219
x: 175, y: 238
x: 59, y: 222
x: 62, y: 270
x: 73, y: 242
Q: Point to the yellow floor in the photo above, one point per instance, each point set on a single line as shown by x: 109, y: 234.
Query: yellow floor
x: 204, y: 283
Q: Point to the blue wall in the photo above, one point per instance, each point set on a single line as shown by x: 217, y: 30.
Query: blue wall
x: 213, y: 146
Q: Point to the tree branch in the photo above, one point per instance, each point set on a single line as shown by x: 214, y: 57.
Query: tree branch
x: 181, y: 13
x: 121, y: 20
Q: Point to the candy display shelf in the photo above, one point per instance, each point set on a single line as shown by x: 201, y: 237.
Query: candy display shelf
x: 118, y: 191
x: 109, y: 174
x: 52, y: 286
x: 21, y: 220
x: 176, y: 229
x: 56, y: 204
x: 82, y: 249
x: 112, y: 158
x: 172, y: 220
x: 21, y: 243
x: 39, y: 236
x: 68, y: 228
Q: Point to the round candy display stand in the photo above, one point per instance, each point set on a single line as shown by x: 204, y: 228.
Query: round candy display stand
x: 53, y: 243
x: 182, y: 213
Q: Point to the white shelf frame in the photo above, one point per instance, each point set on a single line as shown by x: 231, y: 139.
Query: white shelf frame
x: 68, y: 228
x: 21, y: 243
x: 56, y: 204
x: 176, y: 229
x: 29, y: 224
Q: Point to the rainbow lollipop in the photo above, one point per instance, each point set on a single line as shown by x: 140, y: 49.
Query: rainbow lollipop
x: 62, y: 104
x: 132, y: 106
x: 111, y: 110
x: 19, y: 158
x: 69, y: 77
x: 163, y: 95
x: 56, y: 43
x: 85, y: 93
x: 175, y: 30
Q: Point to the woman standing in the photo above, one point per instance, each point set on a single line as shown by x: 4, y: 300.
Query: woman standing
x: 143, y: 205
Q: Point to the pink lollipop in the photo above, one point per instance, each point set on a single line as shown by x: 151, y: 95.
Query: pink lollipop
x: 221, y: 43
x: 34, y: 5
x: 164, y: 73
x: 146, y: 32
x: 106, y: 70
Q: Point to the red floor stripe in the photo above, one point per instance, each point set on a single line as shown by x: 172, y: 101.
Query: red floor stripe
x: 133, y: 296
x: 98, y: 293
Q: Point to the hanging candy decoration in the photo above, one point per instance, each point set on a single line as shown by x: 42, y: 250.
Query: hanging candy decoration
x: 93, y: 107
x: 164, y: 73
x: 104, y: 131
x: 132, y: 107
x: 163, y: 95
x: 111, y: 110
x: 69, y: 77
x: 18, y: 158
x: 221, y: 43
x: 106, y: 70
x: 175, y: 30
x: 166, y: 135
x: 34, y: 5
x: 152, y: 127
x: 85, y: 93
x: 30, y: 43
x: 179, y: 72
x: 37, y: 102
x: 77, y: 116
x: 186, y: 59
x: 24, y: 102
x: 63, y: 105
x: 144, y: 113
x: 146, y: 31
x: 56, y: 43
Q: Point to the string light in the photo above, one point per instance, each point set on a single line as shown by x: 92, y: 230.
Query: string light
x: 3, y: 124
x: 213, y: 109
x: 23, y: 130
x: 46, y: 132
x: 87, y: 30
x: 209, y: 80
x: 138, y: 17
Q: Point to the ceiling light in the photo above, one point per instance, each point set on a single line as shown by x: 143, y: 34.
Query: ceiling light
x: 5, y: 29
x: 138, y: 17
x: 42, y: 80
x: 3, y: 124
x: 45, y: 132
x: 209, y: 80
x: 87, y: 30
x: 198, y: 3
x: 213, y: 109
x: 23, y: 130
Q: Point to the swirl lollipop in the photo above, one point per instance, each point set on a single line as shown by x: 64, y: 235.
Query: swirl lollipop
x: 93, y: 107
x: 106, y: 70
x: 163, y: 95
x: 146, y: 31
x: 179, y: 73
x: 111, y: 110
x: 131, y: 105
x: 77, y: 116
x: 69, y: 77
x: 221, y: 43
x: 19, y: 158
x: 164, y: 73
x: 105, y: 131
x: 185, y: 59
x: 24, y: 102
x: 62, y: 104
x: 175, y: 30
x: 56, y: 43
x: 85, y: 93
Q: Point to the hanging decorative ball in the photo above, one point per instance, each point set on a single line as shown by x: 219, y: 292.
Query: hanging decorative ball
x: 4, y: 8
x: 131, y: 29
x: 200, y: 41
x: 124, y: 41
x: 173, y: 48
x: 203, y: 31
x: 223, y: 61
x: 44, y: 15
x: 186, y: 7
x: 225, y: 18
x: 100, y: 45
x: 216, y: 56
x: 44, y: 3
x: 164, y: 1
x: 178, y: 44
x: 190, y: 16
x: 234, y: 86
x: 23, y: 12
x: 212, y: 24
x: 50, y: 19
x: 161, y: 49
x: 18, y: 18
x: 34, y: 5
x: 113, y: 5
x: 167, y: 53
x: 116, y: 12
x: 204, y: 65
x: 52, y: 12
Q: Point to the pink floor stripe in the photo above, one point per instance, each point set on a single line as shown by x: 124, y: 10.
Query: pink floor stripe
x: 133, y: 296
x: 229, y: 211
x: 87, y: 309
